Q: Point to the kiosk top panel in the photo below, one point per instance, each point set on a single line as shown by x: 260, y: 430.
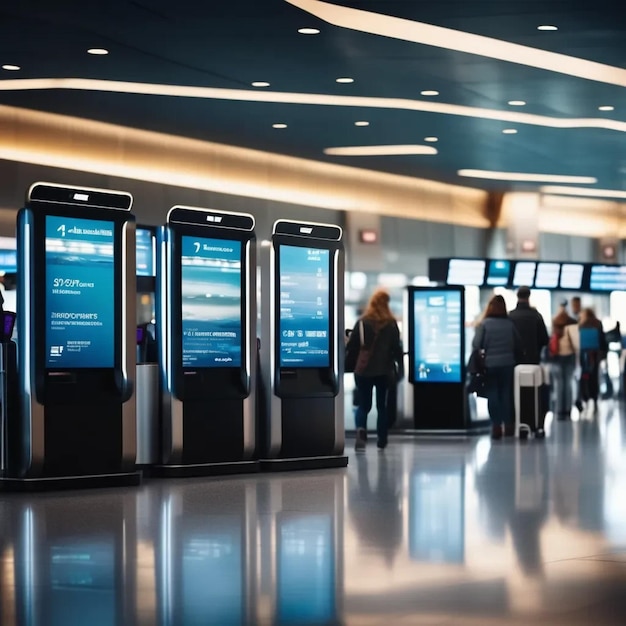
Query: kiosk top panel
x: 197, y: 216
x: 310, y: 230
x: 53, y: 193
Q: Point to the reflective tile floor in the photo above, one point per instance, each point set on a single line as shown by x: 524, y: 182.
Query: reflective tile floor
x: 428, y: 533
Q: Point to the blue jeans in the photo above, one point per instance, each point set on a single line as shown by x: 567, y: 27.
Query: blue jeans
x: 563, y: 377
x: 365, y: 385
x: 500, y: 395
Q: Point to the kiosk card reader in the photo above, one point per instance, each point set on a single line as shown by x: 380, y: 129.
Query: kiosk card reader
x: 206, y: 321
x: 302, y: 277
x: 76, y: 338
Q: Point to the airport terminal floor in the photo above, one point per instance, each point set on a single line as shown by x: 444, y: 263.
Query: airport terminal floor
x: 436, y: 532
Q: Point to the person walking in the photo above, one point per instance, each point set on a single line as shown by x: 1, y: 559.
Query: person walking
x: 563, y: 363
x: 530, y: 326
x: 499, y: 338
x: 592, y: 349
x: 376, y: 337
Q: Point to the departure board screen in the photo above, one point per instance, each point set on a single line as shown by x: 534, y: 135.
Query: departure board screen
x: 498, y: 273
x: 80, y: 293
x: 437, y: 336
x: 524, y: 273
x: 547, y: 276
x: 145, y: 252
x: 571, y: 275
x: 211, y: 302
x: 466, y: 272
x: 608, y: 278
x: 304, y: 321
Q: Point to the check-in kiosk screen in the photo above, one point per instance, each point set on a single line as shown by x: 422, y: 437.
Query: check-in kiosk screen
x: 437, y: 336
x: 608, y: 278
x: 144, y: 252
x: 304, y: 306
x: 211, y: 302
x: 80, y: 293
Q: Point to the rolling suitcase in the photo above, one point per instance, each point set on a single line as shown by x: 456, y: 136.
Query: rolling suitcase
x: 530, y: 391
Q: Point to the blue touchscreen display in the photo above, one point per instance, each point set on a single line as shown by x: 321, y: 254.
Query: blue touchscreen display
x: 211, y: 302
x: 437, y: 336
x: 80, y: 294
x: 304, y: 307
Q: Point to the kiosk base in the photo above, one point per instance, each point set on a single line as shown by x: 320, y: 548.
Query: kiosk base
x: 57, y: 483
x: 201, y: 469
x: 303, y: 463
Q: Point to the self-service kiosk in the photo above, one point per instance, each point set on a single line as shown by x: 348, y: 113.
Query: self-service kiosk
x: 206, y: 323
x: 302, y: 277
x: 435, y: 336
x: 76, y: 340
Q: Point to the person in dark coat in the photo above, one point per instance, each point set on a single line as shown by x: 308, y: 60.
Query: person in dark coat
x: 499, y: 338
x: 530, y: 326
x: 381, y: 341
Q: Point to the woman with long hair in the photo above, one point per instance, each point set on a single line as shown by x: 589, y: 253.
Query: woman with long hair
x: 377, y: 339
x: 498, y: 337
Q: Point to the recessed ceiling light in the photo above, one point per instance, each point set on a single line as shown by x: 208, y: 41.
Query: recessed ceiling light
x: 517, y: 103
x: 574, y: 191
x: 362, y: 123
x: 606, y: 107
x: 11, y: 68
x: 431, y: 139
x: 309, y: 31
x: 547, y: 27
x: 98, y: 51
x: 279, y: 125
x: 509, y: 131
x: 260, y: 83
x: 429, y: 92
x: 532, y: 178
x: 345, y: 80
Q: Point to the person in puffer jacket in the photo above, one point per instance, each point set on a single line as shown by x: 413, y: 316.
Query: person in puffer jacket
x: 497, y: 335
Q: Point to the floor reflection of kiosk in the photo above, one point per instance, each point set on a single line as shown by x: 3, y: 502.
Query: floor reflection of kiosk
x: 76, y: 338
x: 302, y: 422
x: 78, y: 574
x: 206, y: 318
x: 206, y: 565
x: 437, y: 357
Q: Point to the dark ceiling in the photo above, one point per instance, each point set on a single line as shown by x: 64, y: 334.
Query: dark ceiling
x: 230, y: 44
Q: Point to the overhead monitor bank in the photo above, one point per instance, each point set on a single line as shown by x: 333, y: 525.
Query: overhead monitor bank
x: 206, y: 320
x: 76, y: 334
x: 302, y: 319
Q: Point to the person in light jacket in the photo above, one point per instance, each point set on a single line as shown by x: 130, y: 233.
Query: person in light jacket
x: 563, y: 364
x: 497, y: 335
x: 381, y: 338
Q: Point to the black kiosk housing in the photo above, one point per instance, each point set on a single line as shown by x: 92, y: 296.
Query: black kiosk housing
x: 76, y: 340
x: 206, y: 323
x: 302, y: 278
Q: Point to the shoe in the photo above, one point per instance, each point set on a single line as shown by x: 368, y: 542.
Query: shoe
x: 380, y: 445
x: 361, y: 439
x: 496, y: 432
x: 579, y: 406
x: 509, y: 430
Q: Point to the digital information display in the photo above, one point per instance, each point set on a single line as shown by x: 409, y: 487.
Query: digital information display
x: 571, y: 276
x: 524, y: 273
x: 304, y: 328
x: 466, y: 272
x: 211, y: 302
x: 547, y: 276
x: 80, y: 296
x: 437, y: 329
x: 608, y: 278
x: 498, y: 273
x: 145, y: 252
